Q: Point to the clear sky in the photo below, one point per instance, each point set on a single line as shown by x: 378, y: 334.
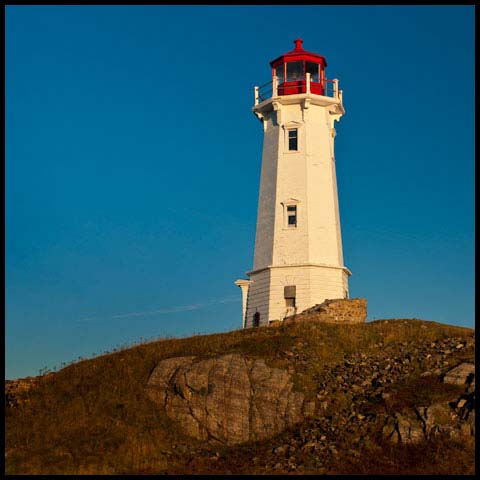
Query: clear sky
x: 133, y: 165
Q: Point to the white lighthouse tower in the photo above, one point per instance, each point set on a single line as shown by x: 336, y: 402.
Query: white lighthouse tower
x: 298, y: 260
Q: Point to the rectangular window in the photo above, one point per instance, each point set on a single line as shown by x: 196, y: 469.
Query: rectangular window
x: 279, y: 73
x: 313, y: 69
x: 294, y: 71
x: 293, y: 139
x: 292, y: 215
x: 289, y: 292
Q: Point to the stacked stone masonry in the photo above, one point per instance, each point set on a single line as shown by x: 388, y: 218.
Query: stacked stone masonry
x: 345, y: 311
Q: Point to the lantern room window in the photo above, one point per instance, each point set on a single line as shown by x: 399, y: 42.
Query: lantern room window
x: 294, y: 71
x: 314, y: 70
x: 279, y: 72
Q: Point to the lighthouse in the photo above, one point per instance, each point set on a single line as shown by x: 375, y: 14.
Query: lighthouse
x: 298, y: 259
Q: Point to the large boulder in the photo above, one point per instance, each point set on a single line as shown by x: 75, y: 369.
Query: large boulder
x: 229, y: 399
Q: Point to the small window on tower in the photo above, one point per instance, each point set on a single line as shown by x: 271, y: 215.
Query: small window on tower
x: 256, y: 319
x: 293, y: 139
x: 289, y: 292
x: 292, y: 215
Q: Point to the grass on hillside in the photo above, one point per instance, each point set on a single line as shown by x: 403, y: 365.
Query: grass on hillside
x: 93, y: 416
x: 439, y: 456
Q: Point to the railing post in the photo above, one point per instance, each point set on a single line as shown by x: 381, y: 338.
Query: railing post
x: 335, y: 87
x: 308, y: 78
x: 340, y: 95
x: 275, y: 86
x: 255, y: 89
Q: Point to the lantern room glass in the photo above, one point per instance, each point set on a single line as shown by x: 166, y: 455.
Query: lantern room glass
x: 279, y: 72
x: 292, y: 77
x: 314, y: 70
x: 294, y: 71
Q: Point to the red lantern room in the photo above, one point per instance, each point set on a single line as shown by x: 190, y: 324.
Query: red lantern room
x: 292, y: 67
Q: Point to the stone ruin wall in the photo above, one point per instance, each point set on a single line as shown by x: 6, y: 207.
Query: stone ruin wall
x: 343, y: 311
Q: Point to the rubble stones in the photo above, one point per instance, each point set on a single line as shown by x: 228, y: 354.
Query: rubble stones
x: 366, y: 376
x: 342, y: 310
x: 190, y: 391
x: 352, y: 419
x: 455, y: 417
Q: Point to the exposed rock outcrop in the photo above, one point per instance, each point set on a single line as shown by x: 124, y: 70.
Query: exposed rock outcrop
x: 411, y: 381
x: 453, y: 418
x: 229, y: 399
x: 233, y: 399
x: 348, y: 393
x: 403, y: 427
x: 463, y: 374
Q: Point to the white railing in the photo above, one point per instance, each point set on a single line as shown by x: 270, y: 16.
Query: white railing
x: 265, y: 91
x: 274, y: 88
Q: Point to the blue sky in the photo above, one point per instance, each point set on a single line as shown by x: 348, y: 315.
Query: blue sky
x: 133, y: 163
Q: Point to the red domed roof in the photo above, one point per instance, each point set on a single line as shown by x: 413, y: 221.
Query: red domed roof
x: 298, y: 53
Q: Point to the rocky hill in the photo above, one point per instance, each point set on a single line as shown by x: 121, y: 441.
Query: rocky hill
x: 391, y: 396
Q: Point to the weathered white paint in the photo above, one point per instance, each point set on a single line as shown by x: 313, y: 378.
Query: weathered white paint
x: 309, y: 255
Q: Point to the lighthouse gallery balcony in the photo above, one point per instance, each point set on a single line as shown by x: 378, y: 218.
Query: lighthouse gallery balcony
x: 301, y: 84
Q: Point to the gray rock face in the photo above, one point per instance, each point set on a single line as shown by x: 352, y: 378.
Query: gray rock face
x: 425, y: 422
x: 454, y: 418
x: 461, y: 375
x: 403, y: 428
x: 229, y: 399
